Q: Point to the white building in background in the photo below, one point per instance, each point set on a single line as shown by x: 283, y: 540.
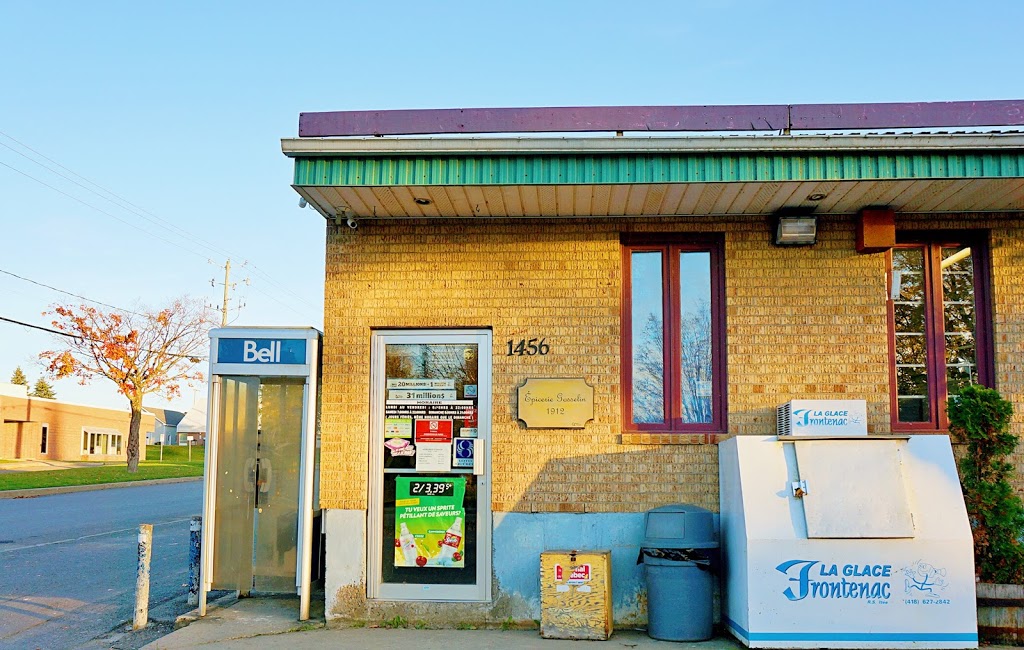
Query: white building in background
x: 193, y: 425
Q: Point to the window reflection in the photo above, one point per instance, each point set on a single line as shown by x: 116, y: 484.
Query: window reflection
x: 911, y: 340
x: 648, y: 338
x: 933, y: 358
x: 695, y: 336
x: 674, y: 322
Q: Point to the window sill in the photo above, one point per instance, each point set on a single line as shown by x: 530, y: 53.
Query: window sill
x: 647, y: 438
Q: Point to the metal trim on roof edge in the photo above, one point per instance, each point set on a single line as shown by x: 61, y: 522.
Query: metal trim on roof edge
x: 763, y: 144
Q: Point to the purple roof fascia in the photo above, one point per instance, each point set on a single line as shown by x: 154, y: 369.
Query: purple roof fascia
x: 909, y: 115
x: 543, y: 120
x: 663, y: 118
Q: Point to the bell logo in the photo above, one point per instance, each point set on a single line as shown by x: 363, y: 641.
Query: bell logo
x: 253, y: 354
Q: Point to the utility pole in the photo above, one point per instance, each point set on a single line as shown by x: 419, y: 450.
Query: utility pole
x: 228, y: 287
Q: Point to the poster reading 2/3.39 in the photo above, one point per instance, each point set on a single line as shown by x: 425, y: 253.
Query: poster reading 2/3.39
x: 430, y: 522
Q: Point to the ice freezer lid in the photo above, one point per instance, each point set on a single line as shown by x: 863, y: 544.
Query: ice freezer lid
x: 855, y: 488
x: 679, y: 526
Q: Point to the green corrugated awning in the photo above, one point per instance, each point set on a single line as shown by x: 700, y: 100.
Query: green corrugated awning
x: 639, y: 168
x: 646, y: 176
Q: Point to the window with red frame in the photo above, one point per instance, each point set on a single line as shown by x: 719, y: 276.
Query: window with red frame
x: 673, y: 333
x: 939, y: 325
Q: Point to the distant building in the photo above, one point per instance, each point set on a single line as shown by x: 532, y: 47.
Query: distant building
x: 165, y: 424
x: 38, y: 428
x: 193, y: 425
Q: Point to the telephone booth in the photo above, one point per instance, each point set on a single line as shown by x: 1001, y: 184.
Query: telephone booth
x: 261, y: 495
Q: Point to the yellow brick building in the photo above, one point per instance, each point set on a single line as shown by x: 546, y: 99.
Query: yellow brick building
x: 545, y: 240
x: 35, y: 428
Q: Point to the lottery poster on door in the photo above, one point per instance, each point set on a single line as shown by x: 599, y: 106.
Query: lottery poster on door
x: 430, y: 522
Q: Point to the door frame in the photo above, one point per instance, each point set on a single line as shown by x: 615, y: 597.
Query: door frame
x: 375, y: 588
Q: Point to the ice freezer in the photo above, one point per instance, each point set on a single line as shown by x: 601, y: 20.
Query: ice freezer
x: 845, y: 541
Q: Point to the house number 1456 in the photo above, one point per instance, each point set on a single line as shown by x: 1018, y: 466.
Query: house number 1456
x: 527, y: 347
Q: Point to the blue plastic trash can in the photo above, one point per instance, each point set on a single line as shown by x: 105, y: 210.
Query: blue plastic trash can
x: 676, y: 553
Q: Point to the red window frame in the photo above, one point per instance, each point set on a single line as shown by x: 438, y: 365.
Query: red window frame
x: 932, y: 244
x: 670, y: 246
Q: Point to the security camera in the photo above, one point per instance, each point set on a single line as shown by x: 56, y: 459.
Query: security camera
x: 352, y: 223
x: 302, y: 202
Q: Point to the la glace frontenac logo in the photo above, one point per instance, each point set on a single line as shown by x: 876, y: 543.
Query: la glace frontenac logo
x: 815, y: 579
x: 922, y: 583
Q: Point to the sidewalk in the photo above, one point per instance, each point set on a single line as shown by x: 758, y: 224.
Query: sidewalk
x: 42, y: 465
x: 271, y: 623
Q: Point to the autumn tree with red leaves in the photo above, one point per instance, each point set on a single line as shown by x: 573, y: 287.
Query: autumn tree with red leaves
x: 142, y: 352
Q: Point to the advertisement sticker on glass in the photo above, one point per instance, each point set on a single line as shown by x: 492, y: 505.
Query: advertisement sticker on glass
x: 411, y: 408
x: 415, y: 383
x: 399, y: 447
x: 434, y: 431
x: 398, y: 427
x: 462, y: 452
x: 433, y: 456
x: 430, y: 522
x: 422, y: 394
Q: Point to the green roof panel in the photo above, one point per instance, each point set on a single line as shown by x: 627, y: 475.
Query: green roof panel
x: 578, y: 169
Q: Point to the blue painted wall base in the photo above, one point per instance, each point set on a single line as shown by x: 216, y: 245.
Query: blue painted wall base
x: 519, y: 539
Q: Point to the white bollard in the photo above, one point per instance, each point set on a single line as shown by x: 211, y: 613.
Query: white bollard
x: 142, y: 577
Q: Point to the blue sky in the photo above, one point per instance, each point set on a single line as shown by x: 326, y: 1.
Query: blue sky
x: 178, y: 108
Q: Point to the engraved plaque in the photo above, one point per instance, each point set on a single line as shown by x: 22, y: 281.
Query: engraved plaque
x: 565, y: 403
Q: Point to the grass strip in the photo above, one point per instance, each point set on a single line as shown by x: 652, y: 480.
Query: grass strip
x: 174, y: 465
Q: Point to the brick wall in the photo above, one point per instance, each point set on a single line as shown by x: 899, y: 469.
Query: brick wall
x: 22, y: 425
x: 807, y: 323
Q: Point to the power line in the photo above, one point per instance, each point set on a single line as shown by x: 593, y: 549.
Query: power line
x: 100, y: 210
x: 138, y: 211
x: 267, y: 278
x: 135, y: 209
x: 38, y: 327
x: 191, y: 357
x: 68, y: 293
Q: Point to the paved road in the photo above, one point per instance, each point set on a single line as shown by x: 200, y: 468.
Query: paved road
x: 68, y: 561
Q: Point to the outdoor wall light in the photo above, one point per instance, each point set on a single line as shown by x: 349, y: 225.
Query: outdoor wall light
x: 796, y: 230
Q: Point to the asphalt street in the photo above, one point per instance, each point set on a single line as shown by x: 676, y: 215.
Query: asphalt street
x: 68, y: 561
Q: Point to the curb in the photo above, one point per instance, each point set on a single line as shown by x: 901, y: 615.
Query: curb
x: 41, y: 492
x: 193, y: 616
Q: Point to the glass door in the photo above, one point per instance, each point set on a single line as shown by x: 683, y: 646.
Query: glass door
x: 278, y: 455
x: 236, y: 483
x: 430, y: 517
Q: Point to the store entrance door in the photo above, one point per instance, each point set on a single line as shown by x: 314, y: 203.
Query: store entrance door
x: 430, y: 492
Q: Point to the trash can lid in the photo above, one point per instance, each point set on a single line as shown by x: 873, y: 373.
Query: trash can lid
x: 679, y: 525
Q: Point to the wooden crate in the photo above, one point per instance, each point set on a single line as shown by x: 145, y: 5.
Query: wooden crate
x: 576, y: 595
